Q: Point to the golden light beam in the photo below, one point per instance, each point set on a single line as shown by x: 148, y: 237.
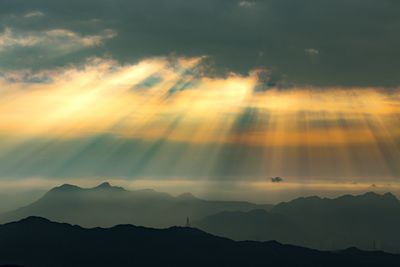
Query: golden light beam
x: 103, y: 98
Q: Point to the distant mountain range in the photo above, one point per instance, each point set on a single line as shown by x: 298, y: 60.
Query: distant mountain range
x: 369, y: 221
x: 107, y: 205
x: 38, y: 242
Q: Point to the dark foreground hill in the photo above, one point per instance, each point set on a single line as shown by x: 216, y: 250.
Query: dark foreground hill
x: 107, y: 205
x: 38, y: 242
x: 370, y: 221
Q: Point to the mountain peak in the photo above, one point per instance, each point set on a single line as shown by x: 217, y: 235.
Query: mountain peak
x: 65, y: 188
x: 351, y: 250
x: 68, y: 188
x: 104, y: 185
x: 388, y: 196
x: 108, y: 186
x: 33, y: 219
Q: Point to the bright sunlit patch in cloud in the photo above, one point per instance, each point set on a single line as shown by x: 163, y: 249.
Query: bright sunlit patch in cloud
x: 103, y: 97
x: 307, y: 131
x: 34, y: 14
x: 247, y: 4
x: 56, y: 40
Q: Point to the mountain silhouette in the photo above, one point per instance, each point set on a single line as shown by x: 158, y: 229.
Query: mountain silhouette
x: 258, y: 225
x: 35, y: 241
x: 369, y: 221
x: 106, y: 205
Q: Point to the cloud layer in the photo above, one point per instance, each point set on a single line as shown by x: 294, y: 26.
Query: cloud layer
x: 183, y: 90
x: 167, y: 118
x: 312, y: 42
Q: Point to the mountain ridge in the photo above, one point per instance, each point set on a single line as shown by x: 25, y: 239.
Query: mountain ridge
x: 128, y: 245
x: 321, y: 223
x: 106, y: 205
x: 365, y: 221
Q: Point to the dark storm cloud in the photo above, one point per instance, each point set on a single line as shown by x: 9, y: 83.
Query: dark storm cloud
x: 308, y: 42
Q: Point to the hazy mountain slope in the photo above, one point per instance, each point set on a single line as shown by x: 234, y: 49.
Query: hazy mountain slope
x: 10, y: 200
x: 257, y: 225
x: 368, y: 221
x: 107, y: 205
x: 38, y: 242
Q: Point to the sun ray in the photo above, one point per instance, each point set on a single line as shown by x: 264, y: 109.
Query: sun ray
x: 225, y: 121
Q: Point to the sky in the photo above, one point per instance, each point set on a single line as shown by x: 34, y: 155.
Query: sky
x: 212, y: 97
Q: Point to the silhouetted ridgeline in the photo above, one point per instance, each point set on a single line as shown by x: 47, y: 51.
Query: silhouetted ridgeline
x: 370, y: 221
x: 107, y: 205
x: 37, y: 242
